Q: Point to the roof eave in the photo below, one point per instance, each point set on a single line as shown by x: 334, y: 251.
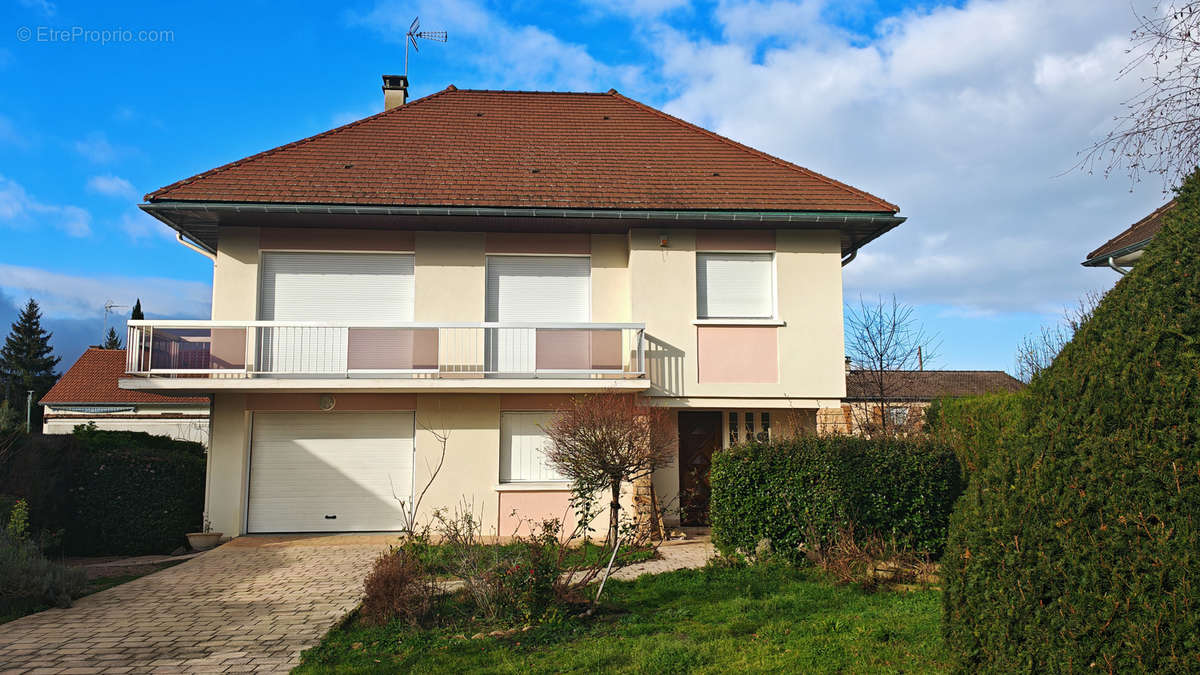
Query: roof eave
x: 1098, y: 259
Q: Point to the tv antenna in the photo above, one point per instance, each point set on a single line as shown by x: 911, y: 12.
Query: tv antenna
x: 109, y: 306
x: 414, y: 32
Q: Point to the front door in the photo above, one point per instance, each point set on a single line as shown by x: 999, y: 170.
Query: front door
x: 699, y: 438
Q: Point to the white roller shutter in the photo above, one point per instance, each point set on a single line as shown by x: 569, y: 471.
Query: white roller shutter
x: 523, y: 446
x: 367, y: 287
x: 329, y: 472
x: 533, y: 288
x: 735, y: 285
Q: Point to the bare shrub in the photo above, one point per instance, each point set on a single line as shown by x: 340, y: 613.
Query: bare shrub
x: 398, y: 587
x: 870, y: 562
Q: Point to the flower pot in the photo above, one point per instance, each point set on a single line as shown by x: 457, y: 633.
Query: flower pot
x: 202, y: 541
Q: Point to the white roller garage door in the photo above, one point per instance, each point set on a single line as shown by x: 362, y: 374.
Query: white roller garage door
x: 329, y: 472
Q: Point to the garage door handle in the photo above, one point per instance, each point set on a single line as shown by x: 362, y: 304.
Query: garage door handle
x: 329, y: 517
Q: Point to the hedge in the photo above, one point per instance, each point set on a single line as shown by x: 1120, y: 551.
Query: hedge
x: 109, y: 493
x: 1077, y: 546
x: 973, y: 426
x: 901, y: 488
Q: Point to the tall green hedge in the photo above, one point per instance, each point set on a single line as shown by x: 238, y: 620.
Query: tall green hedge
x: 900, y: 488
x: 109, y: 493
x: 1077, y: 547
x: 973, y: 426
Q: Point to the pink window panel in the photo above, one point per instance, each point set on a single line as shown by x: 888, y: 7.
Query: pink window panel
x: 737, y: 353
x: 578, y: 349
x: 392, y: 349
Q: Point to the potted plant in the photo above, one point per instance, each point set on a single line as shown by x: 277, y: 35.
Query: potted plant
x: 202, y: 541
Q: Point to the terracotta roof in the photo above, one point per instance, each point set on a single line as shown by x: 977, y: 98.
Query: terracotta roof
x: 523, y: 149
x: 93, y: 379
x: 1129, y: 240
x: 926, y: 385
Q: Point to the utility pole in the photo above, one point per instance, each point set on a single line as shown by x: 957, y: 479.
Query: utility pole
x: 28, y: 411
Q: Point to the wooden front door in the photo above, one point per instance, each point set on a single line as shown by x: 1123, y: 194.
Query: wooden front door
x: 699, y: 438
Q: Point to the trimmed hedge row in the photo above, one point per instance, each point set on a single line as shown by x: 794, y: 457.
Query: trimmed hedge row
x: 110, y: 493
x: 1076, y: 548
x: 973, y: 426
x: 901, y: 488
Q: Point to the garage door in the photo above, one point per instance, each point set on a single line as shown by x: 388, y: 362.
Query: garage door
x: 329, y: 472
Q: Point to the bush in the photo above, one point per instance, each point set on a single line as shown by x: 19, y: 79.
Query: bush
x: 109, y: 493
x: 28, y: 581
x: 973, y: 426
x: 1077, y: 545
x: 398, y: 587
x: 793, y: 490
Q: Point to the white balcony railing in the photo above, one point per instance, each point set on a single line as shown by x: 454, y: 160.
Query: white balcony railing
x: 410, y: 350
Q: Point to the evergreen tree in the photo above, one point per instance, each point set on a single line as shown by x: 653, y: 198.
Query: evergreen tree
x: 27, y: 361
x: 111, y: 340
x: 136, y: 314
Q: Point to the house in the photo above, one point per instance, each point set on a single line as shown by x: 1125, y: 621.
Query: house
x: 898, y: 399
x: 439, y: 277
x: 1125, y: 249
x: 88, y: 393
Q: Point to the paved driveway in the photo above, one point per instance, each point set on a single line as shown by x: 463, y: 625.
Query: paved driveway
x: 251, y: 605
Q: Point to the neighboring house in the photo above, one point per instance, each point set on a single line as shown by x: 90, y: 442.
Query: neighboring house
x: 899, y: 399
x: 456, y: 266
x: 1125, y: 249
x: 88, y: 393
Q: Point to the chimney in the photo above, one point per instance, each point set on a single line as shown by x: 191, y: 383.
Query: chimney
x: 847, y: 365
x: 395, y: 91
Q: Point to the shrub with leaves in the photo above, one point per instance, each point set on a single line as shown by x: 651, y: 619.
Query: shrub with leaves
x: 28, y: 581
x: 1077, y: 545
x: 974, y: 426
x: 792, y: 490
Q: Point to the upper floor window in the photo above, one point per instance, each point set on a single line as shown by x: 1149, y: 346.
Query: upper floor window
x: 735, y: 285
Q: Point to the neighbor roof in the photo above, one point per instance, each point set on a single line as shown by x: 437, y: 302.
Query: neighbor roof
x: 1132, y: 239
x: 93, y: 379
x: 926, y: 385
x: 523, y: 149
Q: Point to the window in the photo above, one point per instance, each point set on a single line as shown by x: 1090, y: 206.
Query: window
x: 897, y: 416
x: 523, y: 447
x: 735, y: 285
x: 748, y: 426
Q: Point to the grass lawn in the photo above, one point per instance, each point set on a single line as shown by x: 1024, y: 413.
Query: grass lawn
x: 709, y: 621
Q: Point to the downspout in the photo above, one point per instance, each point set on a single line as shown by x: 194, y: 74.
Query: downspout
x: 1112, y: 262
x: 197, y: 249
x: 850, y: 258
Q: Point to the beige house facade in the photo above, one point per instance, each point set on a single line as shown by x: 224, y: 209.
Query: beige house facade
x: 373, y: 320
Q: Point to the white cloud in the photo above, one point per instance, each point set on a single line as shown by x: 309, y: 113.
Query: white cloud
x: 67, y: 295
x: 141, y: 226
x: 19, y: 209
x: 46, y: 7
x: 97, y: 148
x: 965, y: 117
x: 112, y: 186
x: 506, y: 55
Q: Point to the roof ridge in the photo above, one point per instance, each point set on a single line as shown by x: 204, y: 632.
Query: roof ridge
x: 270, y: 151
x: 759, y: 153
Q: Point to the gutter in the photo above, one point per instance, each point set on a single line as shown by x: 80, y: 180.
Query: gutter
x: 1102, y: 260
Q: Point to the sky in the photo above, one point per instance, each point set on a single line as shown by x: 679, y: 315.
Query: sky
x: 970, y: 115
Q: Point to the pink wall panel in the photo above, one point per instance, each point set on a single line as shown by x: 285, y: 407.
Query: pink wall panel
x: 737, y: 353
x: 531, y: 242
x: 735, y: 240
x: 392, y: 348
x: 314, y: 239
x: 518, y: 509
x: 343, y: 402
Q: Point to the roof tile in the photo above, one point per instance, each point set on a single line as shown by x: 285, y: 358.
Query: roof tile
x: 93, y: 379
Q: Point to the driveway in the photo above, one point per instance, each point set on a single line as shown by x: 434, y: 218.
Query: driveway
x: 251, y: 605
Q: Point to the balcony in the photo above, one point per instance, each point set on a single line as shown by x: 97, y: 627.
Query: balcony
x: 285, y: 355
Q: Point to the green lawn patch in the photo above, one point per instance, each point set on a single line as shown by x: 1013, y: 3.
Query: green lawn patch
x: 713, y: 620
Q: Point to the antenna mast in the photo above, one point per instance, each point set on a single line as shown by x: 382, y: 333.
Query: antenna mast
x: 414, y: 32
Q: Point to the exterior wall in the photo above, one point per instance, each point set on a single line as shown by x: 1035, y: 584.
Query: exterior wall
x: 859, y: 416
x: 810, y: 344
x: 183, y: 422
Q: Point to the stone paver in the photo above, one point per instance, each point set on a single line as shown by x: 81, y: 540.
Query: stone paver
x: 251, y: 605
x: 672, y: 555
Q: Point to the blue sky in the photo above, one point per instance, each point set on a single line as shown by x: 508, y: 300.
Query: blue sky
x: 966, y: 114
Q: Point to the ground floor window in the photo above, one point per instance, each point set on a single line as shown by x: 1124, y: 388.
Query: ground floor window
x: 742, y: 426
x: 523, y: 445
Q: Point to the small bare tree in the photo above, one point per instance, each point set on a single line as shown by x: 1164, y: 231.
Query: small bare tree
x: 887, y: 346
x: 608, y: 439
x: 410, y: 508
x: 1037, y: 351
x: 1159, y: 132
